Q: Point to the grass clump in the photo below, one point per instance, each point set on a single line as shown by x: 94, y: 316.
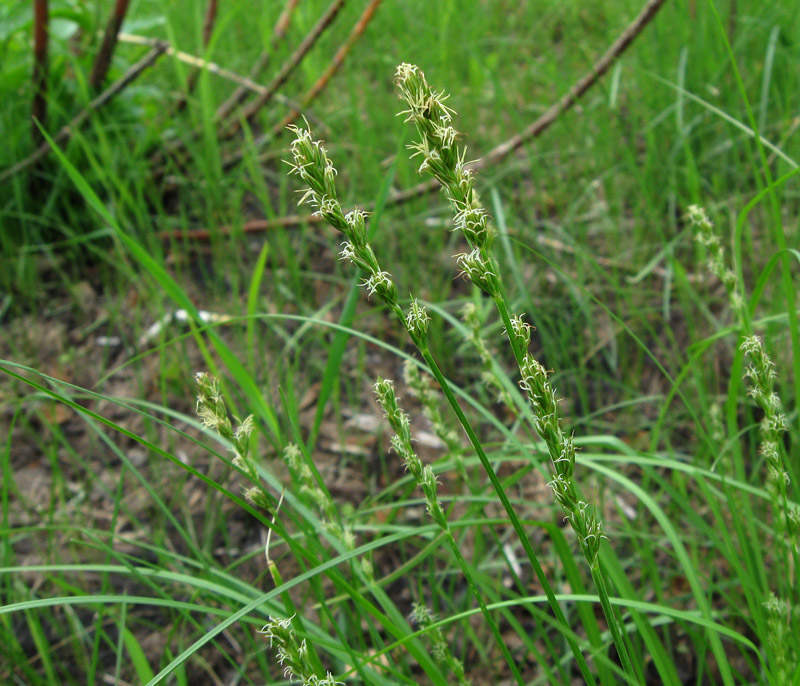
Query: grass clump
x: 613, y: 495
x: 781, y: 608
x: 446, y: 162
x: 604, y: 652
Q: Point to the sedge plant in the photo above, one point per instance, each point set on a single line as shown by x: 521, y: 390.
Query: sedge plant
x: 778, y: 594
x: 446, y: 161
x: 443, y: 158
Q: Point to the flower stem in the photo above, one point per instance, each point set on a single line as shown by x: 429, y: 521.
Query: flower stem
x: 508, y: 507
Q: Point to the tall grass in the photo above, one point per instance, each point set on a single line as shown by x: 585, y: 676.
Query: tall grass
x: 154, y: 548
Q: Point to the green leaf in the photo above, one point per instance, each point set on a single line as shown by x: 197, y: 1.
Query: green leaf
x: 143, y: 671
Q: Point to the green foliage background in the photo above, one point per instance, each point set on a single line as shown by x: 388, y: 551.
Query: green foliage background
x: 594, y: 247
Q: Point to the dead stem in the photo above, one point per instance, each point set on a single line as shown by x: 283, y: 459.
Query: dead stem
x: 338, y: 59
x: 278, y: 33
x: 247, y: 114
x: 102, y: 61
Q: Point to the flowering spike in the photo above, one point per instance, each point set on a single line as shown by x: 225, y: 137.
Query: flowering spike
x: 417, y: 320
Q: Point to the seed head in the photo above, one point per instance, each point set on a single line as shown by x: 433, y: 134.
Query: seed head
x: 478, y: 270
x: 380, y: 283
x: 417, y: 320
x: 357, y: 227
x: 521, y: 331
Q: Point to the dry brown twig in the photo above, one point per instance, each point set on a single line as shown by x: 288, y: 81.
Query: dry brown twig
x: 247, y: 114
x: 102, y: 62
x: 242, y: 82
x: 338, y: 59
x: 278, y: 33
x: 260, y: 225
x: 208, y: 29
x: 67, y: 131
x: 194, y: 61
x: 208, y: 22
x: 289, y: 65
x: 494, y: 156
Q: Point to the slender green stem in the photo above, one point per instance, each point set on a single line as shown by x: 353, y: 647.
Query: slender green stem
x: 311, y: 163
x: 482, y: 604
x: 597, y: 573
x: 426, y: 479
x: 507, y: 506
x: 500, y: 304
x: 613, y: 622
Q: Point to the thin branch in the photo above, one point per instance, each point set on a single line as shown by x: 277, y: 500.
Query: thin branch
x: 176, y: 148
x: 338, y: 59
x: 208, y: 22
x: 547, y: 119
x: 291, y: 64
x: 278, y: 33
x: 208, y: 29
x: 573, y: 94
x: 254, y: 226
x: 102, y: 62
x: 292, y: 220
x: 41, y: 32
x: 241, y: 81
x: 67, y: 131
x: 194, y: 61
x: 497, y: 153
x: 336, y: 63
